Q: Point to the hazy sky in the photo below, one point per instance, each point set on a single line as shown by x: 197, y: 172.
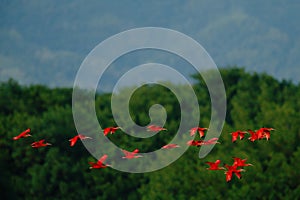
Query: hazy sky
x: 46, y: 41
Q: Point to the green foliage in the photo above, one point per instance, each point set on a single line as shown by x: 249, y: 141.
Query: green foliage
x: 61, y: 171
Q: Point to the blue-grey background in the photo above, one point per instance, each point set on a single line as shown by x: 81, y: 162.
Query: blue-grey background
x: 45, y: 41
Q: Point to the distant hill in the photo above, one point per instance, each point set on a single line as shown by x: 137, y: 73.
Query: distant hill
x: 62, y: 172
x: 45, y: 42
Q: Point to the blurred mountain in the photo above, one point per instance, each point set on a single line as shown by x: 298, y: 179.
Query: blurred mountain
x: 46, y: 41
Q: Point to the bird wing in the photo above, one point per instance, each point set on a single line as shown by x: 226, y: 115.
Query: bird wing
x: 135, y: 151
x: 236, y: 161
x: 113, y: 129
x: 241, y: 134
x: 73, y: 141
x: 228, y: 166
x: 106, y: 131
x: 228, y: 175
x: 251, y: 132
x: 167, y: 146
x: 173, y: 145
x: 212, y: 140
x: 193, y: 131
x: 92, y: 163
x: 24, y: 133
x: 102, y: 159
x: 81, y: 136
x: 201, y: 133
x: 150, y: 127
x: 190, y: 142
x: 34, y: 143
x: 127, y: 153
x: 238, y: 174
x: 218, y: 162
x: 210, y: 163
x: 41, y: 141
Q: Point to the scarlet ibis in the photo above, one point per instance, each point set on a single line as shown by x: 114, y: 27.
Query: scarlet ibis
x: 131, y: 155
x: 79, y: 136
x: 110, y: 130
x: 237, y: 134
x: 199, y: 130
x: 170, y: 146
x: 39, y: 144
x: 196, y: 143
x: 264, y: 133
x: 199, y: 143
x: 260, y: 134
x: 240, y: 162
x: 99, y: 164
x: 253, y: 136
x: 23, y: 134
x: 232, y: 170
x: 155, y: 128
x: 210, y: 141
x: 214, y: 165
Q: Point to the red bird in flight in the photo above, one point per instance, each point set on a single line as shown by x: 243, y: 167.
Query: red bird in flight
x: 214, y: 165
x: 196, y: 143
x: 264, y: 133
x: 110, y: 130
x: 170, y: 146
x: 237, y: 134
x: 131, y: 155
x: 232, y: 170
x: 210, y: 141
x: 155, y: 128
x: 99, y: 164
x: 199, y: 143
x: 23, y: 134
x: 39, y: 144
x: 238, y: 162
x: 79, y: 136
x: 253, y: 136
x: 200, y: 130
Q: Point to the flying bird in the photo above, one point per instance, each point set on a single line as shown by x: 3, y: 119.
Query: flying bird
x: 170, y: 146
x: 200, y: 130
x: 155, y: 128
x: 196, y: 143
x: 23, y: 134
x: 236, y: 134
x: 199, y: 143
x: 238, y: 162
x: 110, y: 130
x: 210, y: 141
x: 79, y: 136
x: 264, y: 133
x: 214, y: 165
x: 39, y: 144
x: 253, y: 136
x: 131, y: 155
x: 233, y: 170
x: 99, y: 164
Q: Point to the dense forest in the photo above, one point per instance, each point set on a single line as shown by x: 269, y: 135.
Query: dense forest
x: 62, y: 172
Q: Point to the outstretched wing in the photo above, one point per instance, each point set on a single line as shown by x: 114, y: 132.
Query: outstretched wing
x: 193, y: 131
x: 212, y: 140
x: 73, y: 140
x: 135, y: 151
x: 102, y: 159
